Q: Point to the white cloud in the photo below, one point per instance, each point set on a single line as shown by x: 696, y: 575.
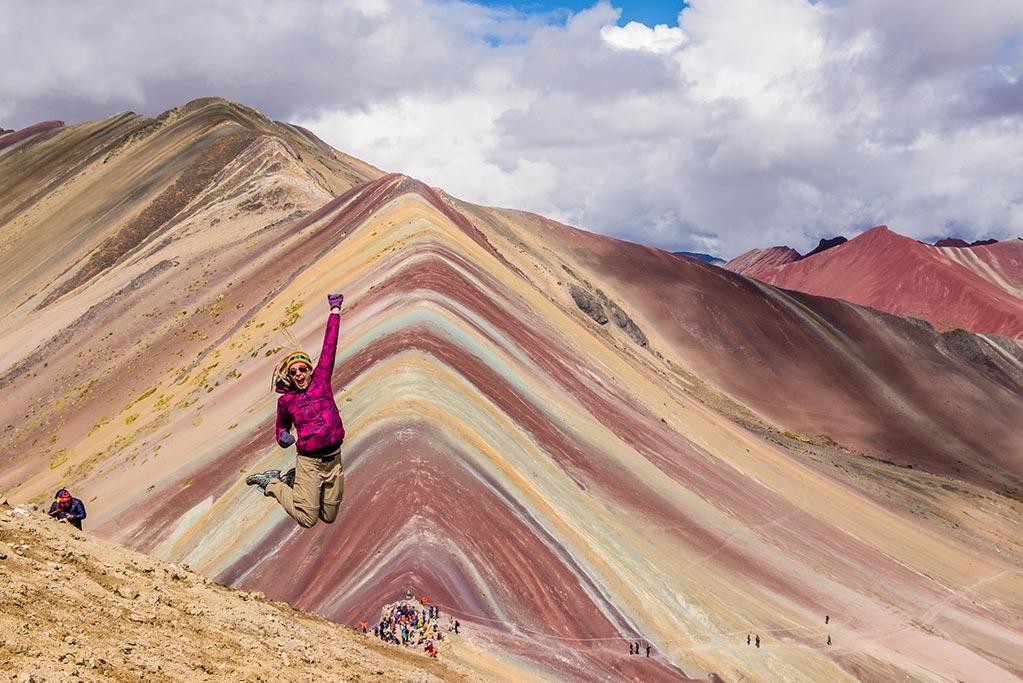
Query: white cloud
x: 749, y: 122
x: 660, y: 39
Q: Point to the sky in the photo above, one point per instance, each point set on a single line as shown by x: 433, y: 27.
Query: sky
x: 713, y: 126
x: 649, y: 12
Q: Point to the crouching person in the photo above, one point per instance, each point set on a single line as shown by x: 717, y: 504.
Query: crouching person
x: 65, y: 508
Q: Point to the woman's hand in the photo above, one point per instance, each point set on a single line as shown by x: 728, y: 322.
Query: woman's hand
x: 335, y: 300
x: 285, y: 439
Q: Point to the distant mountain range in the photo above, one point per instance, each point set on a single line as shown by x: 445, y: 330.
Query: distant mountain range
x: 708, y: 258
x: 952, y: 284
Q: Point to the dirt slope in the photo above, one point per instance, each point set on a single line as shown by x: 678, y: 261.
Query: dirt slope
x: 74, y: 607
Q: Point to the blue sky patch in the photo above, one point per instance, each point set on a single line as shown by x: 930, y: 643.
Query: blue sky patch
x: 649, y: 12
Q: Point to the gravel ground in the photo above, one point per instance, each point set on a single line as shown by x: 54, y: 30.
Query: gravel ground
x: 77, y: 608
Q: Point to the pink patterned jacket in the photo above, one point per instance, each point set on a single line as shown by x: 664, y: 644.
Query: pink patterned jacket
x: 313, y: 412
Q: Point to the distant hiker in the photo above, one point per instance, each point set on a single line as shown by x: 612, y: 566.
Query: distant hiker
x: 829, y: 639
x: 307, y: 404
x: 456, y: 626
x: 748, y: 638
x: 648, y: 650
x: 827, y: 618
x: 632, y: 649
x: 67, y: 509
x: 757, y: 641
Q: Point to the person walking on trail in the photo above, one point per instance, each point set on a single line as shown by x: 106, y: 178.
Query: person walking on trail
x: 757, y: 641
x: 65, y: 508
x: 313, y: 489
x: 647, y: 650
x: 748, y: 638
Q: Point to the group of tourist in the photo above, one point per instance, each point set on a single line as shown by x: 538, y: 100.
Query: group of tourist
x: 410, y: 622
x: 755, y: 640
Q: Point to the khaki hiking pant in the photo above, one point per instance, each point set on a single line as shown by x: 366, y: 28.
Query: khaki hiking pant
x: 319, y: 485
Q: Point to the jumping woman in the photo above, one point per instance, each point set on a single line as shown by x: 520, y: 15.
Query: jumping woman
x: 307, y: 403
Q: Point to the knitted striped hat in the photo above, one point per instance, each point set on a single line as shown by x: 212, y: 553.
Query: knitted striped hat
x: 295, y: 359
x: 280, y: 379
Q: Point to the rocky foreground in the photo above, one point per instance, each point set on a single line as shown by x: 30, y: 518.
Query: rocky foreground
x: 74, y: 607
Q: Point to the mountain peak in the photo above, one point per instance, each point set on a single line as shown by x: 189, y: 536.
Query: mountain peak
x: 757, y: 261
x: 962, y: 244
x: 891, y: 272
x: 12, y: 137
x: 826, y: 244
x: 880, y: 231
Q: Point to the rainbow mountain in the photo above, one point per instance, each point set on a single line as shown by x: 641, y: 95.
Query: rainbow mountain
x: 569, y: 442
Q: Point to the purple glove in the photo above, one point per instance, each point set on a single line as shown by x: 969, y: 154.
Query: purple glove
x: 335, y: 300
x: 285, y: 439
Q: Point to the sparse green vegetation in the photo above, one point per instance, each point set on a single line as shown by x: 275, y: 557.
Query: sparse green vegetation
x: 798, y: 437
x: 84, y: 468
x: 186, y: 402
x: 291, y: 315
x: 59, y: 458
x: 202, y: 378
x: 143, y: 396
x: 217, y: 307
x: 98, y: 426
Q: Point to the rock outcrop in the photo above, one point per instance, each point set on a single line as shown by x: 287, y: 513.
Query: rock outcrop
x: 589, y: 304
x: 826, y: 244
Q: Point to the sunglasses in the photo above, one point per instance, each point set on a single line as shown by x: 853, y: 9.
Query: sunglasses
x: 298, y: 370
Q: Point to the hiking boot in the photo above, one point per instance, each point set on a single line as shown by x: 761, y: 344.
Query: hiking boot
x: 260, y: 480
x: 288, y: 478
